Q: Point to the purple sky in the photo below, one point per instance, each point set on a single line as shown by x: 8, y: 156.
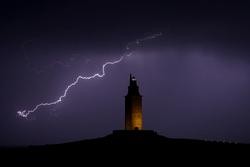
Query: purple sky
x: 194, y: 79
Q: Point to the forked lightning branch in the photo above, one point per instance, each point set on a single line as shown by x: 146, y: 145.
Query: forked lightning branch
x: 26, y: 113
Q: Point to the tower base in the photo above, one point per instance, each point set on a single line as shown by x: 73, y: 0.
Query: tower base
x: 134, y: 133
x: 135, y: 137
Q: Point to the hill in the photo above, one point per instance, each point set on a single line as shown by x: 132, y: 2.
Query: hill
x: 120, y: 145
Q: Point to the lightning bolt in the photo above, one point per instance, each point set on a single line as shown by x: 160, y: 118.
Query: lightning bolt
x: 25, y: 113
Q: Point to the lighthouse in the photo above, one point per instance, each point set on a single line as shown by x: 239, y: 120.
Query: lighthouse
x: 133, y: 106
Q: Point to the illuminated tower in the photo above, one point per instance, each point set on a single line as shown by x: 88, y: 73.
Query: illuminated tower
x: 133, y: 107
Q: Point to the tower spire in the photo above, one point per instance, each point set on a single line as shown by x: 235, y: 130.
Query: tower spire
x: 132, y: 79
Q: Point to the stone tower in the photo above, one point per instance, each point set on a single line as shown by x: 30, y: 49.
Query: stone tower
x: 133, y: 107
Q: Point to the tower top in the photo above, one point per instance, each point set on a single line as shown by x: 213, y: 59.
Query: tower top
x: 133, y: 88
x: 132, y: 79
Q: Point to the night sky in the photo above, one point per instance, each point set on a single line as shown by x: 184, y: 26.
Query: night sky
x: 195, y: 78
